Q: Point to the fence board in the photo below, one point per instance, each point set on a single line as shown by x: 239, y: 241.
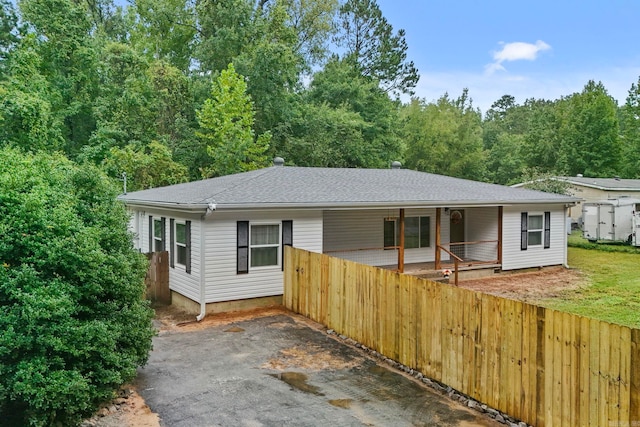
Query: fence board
x: 157, y: 278
x: 634, y: 381
x: 585, y: 376
x: 542, y: 366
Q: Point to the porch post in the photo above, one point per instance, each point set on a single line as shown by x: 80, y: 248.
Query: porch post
x: 401, y: 243
x: 500, y: 208
x: 437, y: 252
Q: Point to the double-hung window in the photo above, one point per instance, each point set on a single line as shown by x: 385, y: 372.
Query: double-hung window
x: 535, y: 230
x: 156, y: 234
x: 264, y: 245
x: 181, y: 243
x: 417, y: 232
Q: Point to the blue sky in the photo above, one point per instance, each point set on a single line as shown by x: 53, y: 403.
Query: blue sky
x: 540, y: 49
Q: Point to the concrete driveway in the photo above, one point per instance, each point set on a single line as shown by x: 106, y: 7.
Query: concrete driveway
x: 281, y: 370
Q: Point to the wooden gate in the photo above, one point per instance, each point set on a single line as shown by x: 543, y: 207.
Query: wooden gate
x: 157, y: 279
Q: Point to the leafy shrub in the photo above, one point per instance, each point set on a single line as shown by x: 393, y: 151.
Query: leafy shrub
x: 73, y: 322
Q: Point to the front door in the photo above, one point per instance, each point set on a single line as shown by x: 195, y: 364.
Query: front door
x: 456, y: 231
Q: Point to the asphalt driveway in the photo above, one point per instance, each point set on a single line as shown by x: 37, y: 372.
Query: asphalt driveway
x: 280, y: 371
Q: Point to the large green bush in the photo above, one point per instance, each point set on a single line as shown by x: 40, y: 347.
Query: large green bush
x: 73, y: 322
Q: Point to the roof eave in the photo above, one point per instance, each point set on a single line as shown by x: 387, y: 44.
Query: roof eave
x: 189, y: 207
x: 387, y: 205
x: 414, y: 204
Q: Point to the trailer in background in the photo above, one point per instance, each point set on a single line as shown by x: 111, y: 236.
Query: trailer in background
x: 613, y: 220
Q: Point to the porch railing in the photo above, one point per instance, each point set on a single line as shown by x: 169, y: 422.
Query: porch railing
x: 470, y: 254
x: 456, y: 260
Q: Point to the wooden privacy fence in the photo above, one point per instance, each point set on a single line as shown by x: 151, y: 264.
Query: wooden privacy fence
x: 542, y: 366
x: 157, y: 279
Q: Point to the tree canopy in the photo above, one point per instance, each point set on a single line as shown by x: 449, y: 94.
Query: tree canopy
x: 130, y: 88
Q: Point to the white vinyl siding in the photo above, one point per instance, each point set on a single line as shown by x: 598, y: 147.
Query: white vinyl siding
x: 482, y: 226
x: 535, y: 256
x: 179, y: 280
x: 345, y: 231
x: 187, y: 284
x: 222, y: 281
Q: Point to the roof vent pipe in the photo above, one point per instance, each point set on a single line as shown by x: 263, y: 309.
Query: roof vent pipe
x: 278, y: 161
x: 396, y: 165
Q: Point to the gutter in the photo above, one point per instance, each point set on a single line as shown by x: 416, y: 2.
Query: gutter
x: 203, y: 259
x: 396, y: 204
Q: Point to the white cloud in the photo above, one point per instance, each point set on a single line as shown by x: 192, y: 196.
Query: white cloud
x: 516, y: 51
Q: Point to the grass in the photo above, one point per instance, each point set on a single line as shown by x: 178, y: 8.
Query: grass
x: 577, y: 241
x: 612, y: 289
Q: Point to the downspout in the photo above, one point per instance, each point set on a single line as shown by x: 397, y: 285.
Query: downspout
x: 566, y: 239
x: 203, y: 258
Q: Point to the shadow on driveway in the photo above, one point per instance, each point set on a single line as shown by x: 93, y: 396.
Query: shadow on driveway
x: 279, y: 370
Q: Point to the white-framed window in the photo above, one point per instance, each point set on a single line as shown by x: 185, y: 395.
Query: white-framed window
x: 181, y: 243
x: 417, y: 232
x: 534, y: 230
x: 158, y: 234
x: 264, y: 245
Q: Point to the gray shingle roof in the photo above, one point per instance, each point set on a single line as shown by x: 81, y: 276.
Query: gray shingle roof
x: 289, y: 187
x: 618, y: 184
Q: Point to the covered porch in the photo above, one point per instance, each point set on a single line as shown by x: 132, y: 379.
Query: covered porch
x: 418, y: 241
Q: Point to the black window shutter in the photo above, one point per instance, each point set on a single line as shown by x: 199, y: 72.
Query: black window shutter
x: 163, y: 244
x: 425, y: 231
x: 523, y: 234
x: 187, y: 233
x: 172, y: 242
x: 547, y: 230
x: 243, y: 247
x: 150, y: 233
x: 287, y: 237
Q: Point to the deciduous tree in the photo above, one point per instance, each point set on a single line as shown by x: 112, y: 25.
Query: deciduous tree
x: 226, y: 128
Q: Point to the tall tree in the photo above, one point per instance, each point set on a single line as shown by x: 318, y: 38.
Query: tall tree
x: 340, y: 86
x: 542, y: 149
x: 312, y: 22
x: 164, y: 30
x: 28, y: 102
x: 124, y: 108
x: 590, y: 138
x: 9, y: 31
x: 630, y: 131
x: 226, y: 128
x: 370, y: 42
x: 445, y: 137
x: 63, y: 29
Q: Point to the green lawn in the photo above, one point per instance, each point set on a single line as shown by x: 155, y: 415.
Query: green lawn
x: 612, y: 291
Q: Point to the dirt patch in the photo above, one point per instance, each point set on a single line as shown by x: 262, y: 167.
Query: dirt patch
x: 530, y: 286
x: 309, y: 357
x: 169, y: 318
x: 128, y: 410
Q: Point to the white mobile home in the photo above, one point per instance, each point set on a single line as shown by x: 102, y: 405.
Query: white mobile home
x: 225, y: 236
